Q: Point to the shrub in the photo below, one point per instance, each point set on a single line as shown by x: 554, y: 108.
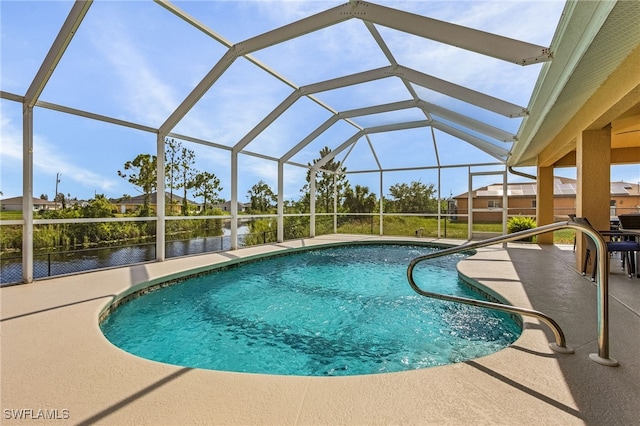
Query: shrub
x: 521, y: 223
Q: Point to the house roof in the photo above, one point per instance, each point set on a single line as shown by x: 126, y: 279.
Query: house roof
x: 562, y: 186
x: 139, y: 199
x: 18, y: 200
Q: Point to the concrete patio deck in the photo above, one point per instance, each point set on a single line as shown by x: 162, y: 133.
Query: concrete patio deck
x: 55, y: 362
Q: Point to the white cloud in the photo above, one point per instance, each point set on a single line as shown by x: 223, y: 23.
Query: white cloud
x: 280, y: 12
x: 49, y: 160
x: 147, y: 96
x: 11, y: 146
x: 10, y: 158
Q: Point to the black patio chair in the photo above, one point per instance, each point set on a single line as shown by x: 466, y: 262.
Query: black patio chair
x: 571, y: 217
x: 631, y: 222
x: 626, y: 248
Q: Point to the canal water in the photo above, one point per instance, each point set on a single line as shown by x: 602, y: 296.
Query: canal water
x: 73, y: 261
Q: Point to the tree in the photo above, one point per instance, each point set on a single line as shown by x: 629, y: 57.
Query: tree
x: 171, y: 158
x: 98, y: 207
x: 325, y: 182
x: 415, y: 197
x: 60, y: 198
x: 359, y: 200
x: 186, y: 174
x: 207, y: 186
x: 261, y: 198
x: 42, y: 196
x: 144, y: 173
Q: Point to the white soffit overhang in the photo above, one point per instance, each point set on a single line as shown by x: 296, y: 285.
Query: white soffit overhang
x: 592, y: 40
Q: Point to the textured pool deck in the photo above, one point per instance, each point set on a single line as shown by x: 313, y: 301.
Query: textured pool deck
x: 56, y: 363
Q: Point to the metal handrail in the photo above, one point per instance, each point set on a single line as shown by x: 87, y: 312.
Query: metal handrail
x: 602, y: 357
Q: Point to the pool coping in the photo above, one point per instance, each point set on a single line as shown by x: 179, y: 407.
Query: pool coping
x: 55, y: 358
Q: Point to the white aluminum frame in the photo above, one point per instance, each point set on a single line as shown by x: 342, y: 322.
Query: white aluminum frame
x: 371, y: 15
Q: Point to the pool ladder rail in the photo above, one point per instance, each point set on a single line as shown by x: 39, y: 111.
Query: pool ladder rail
x: 560, y: 346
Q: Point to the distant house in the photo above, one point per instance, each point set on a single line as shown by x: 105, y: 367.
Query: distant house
x: 15, y: 204
x: 625, y: 198
x: 226, y: 206
x: 129, y: 204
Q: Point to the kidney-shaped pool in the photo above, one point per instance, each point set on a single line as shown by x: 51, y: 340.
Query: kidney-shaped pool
x: 336, y: 311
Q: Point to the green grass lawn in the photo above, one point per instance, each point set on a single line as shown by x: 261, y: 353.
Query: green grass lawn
x: 407, y: 226
x: 395, y: 225
x: 10, y: 215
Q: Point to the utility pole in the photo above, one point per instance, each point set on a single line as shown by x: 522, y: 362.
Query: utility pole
x: 55, y: 194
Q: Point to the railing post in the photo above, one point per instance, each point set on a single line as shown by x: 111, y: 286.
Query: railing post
x: 602, y: 357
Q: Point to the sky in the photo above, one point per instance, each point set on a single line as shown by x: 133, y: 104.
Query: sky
x: 135, y: 61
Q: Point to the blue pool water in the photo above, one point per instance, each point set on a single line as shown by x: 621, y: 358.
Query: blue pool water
x: 334, y: 311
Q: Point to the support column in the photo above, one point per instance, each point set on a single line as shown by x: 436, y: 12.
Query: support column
x: 160, y: 201
x: 280, y: 236
x: 470, y: 206
x: 505, y: 201
x: 234, y: 200
x: 381, y: 203
x: 593, y: 162
x: 544, y: 202
x: 439, y: 202
x: 312, y: 203
x: 27, y: 194
x: 335, y: 204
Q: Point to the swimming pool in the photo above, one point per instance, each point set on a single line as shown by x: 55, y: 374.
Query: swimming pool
x: 323, y: 312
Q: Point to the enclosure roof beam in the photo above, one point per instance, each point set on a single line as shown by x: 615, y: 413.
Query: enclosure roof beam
x: 198, y: 92
x: 373, y: 152
x: 495, y: 46
x: 220, y: 39
x: 472, y: 124
x: 491, y: 149
x: 345, y: 114
x: 433, y: 83
x: 408, y: 169
x: 324, y: 160
x: 460, y: 92
x: 445, y: 113
x: 307, y: 140
x: 381, y: 43
x: 467, y: 122
x: 397, y: 126
x: 348, y: 80
x: 499, y: 47
x: 193, y: 22
x: 378, y: 129
x: 466, y: 38
x: 308, y: 90
x: 296, y: 29
x: 270, y: 118
x: 60, y: 44
x: 377, y: 109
